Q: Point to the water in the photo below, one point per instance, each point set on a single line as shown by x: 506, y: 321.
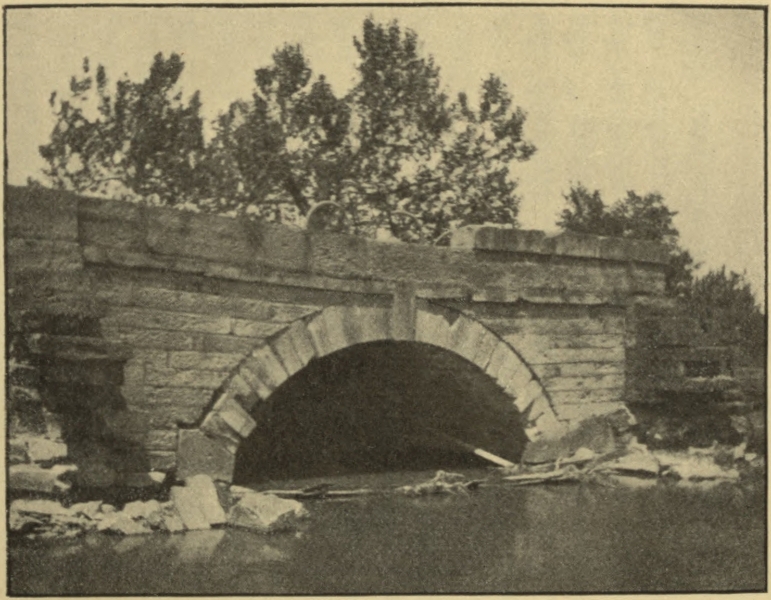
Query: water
x: 559, y: 538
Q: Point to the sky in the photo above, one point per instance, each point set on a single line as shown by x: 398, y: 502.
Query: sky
x: 666, y: 100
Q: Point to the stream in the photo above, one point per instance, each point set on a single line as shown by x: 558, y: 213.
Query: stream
x: 499, y: 539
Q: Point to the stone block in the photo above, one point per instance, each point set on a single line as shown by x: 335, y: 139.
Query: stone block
x: 432, y: 328
x: 529, y: 396
x: 266, y: 365
x: 259, y: 387
x: 579, y: 412
x: 34, y: 478
x: 42, y: 255
x: 373, y: 324
x: 466, y: 336
x: 285, y: 351
x: 208, y: 500
x: 43, y: 450
x: 231, y: 411
x: 207, y: 361
x: 266, y: 513
x: 498, y: 359
x: 169, y: 320
x: 240, y: 390
x: 231, y: 343
x: 536, y: 407
x: 110, y: 223
x: 187, y: 503
x: 156, y: 339
x: 327, y: 330
x: 183, y: 378
x: 255, y: 329
x: 402, y: 326
x: 514, y: 376
x: 199, y: 453
x: 301, y: 341
x: 34, y: 213
x: 215, y: 426
x: 569, y: 397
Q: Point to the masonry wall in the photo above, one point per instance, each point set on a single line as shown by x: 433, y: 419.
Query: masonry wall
x: 137, y: 315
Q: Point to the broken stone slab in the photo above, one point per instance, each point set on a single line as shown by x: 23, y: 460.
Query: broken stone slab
x: 208, y: 499
x: 266, y: 513
x: 186, y: 501
x: 88, y: 509
x: 149, y: 512
x: 121, y: 523
x: 34, y: 478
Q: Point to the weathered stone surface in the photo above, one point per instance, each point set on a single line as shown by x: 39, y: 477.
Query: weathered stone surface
x: 148, y: 512
x: 579, y: 412
x: 40, y: 213
x: 87, y: 509
x: 188, y: 506
x: 187, y: 378
x: 301, y: 341
x: 266, y: 513
x: 286, y: 353
x: 215, y: 426
x: 33, y: 478
x: 40, y: 449
x: 123, y: 524
x: 204, y: 361
x: 140, y: 318
x: 172, y: 522
x: 432, y: 328
x: 208, y: 501
x: 114, y: 224
x: 531, y: 396
x: 594, y: 434
x: 198, y: 453
x: 234, y: 415
x: 266, y: 365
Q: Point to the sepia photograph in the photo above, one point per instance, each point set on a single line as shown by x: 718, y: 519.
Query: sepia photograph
x: 369, y: 299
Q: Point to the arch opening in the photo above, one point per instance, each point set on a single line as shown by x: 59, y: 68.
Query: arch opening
x: 377, y: 407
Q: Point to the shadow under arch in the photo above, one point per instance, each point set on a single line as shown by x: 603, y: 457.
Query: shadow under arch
x: 232, y: 416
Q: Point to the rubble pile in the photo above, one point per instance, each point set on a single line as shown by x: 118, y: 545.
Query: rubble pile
x: 197, y: 505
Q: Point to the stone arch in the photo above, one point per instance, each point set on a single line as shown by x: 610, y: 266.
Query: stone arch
x: 229, y: 419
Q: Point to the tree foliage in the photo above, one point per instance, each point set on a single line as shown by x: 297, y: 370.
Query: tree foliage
x: 141, y: 142
x: 394, y: 153
x: 637, y: 217
x: 728, y: 312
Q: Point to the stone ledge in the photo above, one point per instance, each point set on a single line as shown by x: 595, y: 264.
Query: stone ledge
x: 491, y: 238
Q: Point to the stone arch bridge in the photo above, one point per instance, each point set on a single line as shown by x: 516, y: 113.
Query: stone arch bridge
x: 163, y: 331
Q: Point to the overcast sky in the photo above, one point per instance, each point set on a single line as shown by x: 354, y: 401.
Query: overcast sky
x: 645, y: 99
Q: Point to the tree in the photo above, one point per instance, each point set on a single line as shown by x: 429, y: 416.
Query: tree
x: 143, y: 142
x: 637, y: 217
x: 728, y: 313
x: 394, y: 153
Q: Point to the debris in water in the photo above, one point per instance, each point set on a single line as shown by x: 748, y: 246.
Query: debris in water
x: 442, y: 483
x: 569, y: 473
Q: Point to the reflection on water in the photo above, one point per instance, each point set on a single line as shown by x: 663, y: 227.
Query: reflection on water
x: 577, y: 538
